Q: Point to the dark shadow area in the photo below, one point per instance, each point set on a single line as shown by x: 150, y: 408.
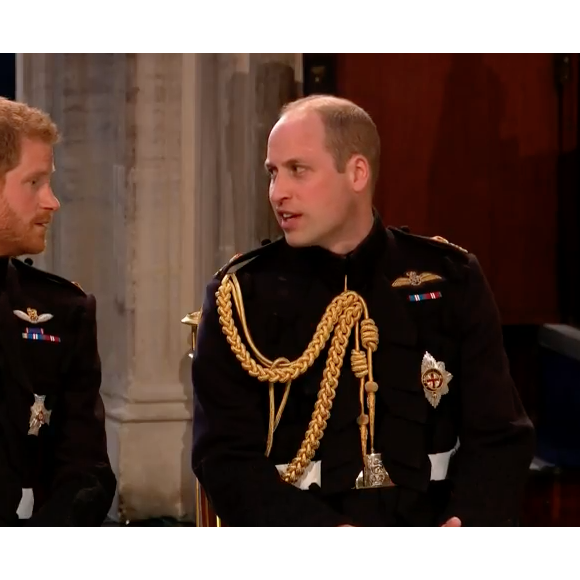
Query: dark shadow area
x: 320, y: 74
x: 567, y: 84
x: 8, y: 75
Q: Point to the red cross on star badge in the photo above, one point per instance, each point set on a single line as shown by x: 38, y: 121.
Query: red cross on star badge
x: 434, y: 378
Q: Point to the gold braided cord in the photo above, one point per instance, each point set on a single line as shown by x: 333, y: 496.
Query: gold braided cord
x: 341, y: 316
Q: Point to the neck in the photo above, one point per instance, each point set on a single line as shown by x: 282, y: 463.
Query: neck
x: 357, y: 231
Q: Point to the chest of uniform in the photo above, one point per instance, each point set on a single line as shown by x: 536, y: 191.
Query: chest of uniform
x: 44, y: 337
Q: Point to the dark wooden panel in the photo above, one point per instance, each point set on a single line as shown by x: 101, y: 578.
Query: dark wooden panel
x: 470, y: 152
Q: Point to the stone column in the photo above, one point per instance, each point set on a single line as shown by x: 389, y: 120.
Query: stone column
x: 160, y: 179
x: 240, y: 96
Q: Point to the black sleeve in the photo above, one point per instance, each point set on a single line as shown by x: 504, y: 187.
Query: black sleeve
x: 497, y: 440
x: 230, y: 433
x: 84, y: 484
x: 10, y: 487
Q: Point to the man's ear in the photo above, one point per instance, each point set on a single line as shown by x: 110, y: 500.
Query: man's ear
x: 359, y: 173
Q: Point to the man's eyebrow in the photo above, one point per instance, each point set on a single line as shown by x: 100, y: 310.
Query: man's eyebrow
x: 287, y: 163
x: 37, y: 174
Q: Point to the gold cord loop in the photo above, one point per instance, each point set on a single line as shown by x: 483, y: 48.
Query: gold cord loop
x: 342, y: 315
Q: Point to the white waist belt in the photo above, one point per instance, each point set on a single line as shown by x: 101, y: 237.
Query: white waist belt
x: 26, y: 505
x: 440, y: 463
x: 312, y: 474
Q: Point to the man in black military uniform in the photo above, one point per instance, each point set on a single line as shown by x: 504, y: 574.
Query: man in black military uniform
x: 54, y: 467
x: 352, y: 374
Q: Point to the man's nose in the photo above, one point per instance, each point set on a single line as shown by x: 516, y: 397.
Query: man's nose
x: 279, y: 190
x: 48, y: 200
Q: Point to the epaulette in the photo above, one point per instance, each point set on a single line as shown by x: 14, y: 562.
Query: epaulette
x: 26, y: 266
x: 240, y: 260
x: 441, y: 240
x: 436, y: 241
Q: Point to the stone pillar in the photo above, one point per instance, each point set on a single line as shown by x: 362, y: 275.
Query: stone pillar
x: 240, y: 96
x: 160, y: 178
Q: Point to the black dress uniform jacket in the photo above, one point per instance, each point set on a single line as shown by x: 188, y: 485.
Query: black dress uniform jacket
x: 286, y: 291
x: 66, y: 464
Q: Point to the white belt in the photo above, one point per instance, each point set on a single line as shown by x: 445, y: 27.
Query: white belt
x: 312, y: 474
x: 26, y: 505
x: 440, y: 463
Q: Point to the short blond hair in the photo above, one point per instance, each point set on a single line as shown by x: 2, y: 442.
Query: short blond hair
x: 349, y: 130
x: 19, y: 121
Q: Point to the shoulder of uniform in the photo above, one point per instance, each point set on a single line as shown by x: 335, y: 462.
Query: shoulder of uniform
x: 240, y: 260
x: 432, y: 241
x: 27, y: 269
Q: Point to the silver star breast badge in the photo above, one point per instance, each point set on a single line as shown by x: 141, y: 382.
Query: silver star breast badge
x: 434, y: 378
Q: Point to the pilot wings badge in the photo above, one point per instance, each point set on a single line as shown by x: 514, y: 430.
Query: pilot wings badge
x: 434, y: 378
x: 31, y: 315
x: 415, y: 279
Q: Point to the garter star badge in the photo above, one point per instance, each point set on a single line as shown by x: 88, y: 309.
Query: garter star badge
x: 434, y: 378
x: 39, y: 415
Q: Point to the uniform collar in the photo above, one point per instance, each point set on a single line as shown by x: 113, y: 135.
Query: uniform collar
x: 3, y: 270
x: 358, y: 266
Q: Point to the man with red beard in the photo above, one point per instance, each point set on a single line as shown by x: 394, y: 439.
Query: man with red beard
x: 351, y: 373
x: 54, y: 467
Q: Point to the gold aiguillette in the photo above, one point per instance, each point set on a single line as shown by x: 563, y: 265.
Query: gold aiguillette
x: 373, y: 474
